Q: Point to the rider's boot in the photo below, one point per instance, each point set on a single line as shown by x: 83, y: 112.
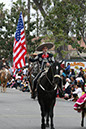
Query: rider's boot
x: 33, y: 94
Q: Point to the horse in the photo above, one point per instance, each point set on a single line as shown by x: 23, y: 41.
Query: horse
x: 47, y: 91
x: 4, y: 77
x: 83, y: 113
x: 80, y: 106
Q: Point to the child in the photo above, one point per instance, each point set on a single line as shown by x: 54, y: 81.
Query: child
x: 67, y: 91
x: 78, y: 91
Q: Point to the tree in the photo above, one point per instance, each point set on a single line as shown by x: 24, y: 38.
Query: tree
x: 64, y: 17
x: 3, y: 13
x: 39, y: 25
x: 9, y: 27
x: 29, y: 26
x: 9, y: 23
x: 78, y: 27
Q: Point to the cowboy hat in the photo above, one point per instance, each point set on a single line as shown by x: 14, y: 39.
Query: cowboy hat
x: 34, y: 54
x: 48, y: 45
x: 3, y: 59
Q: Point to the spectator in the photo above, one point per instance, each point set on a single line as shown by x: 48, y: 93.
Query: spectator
x: 26, y: 87
x: 78, y: 91
x: 13, y: 84
x: 18, y: 79
x: 81, y: 73
x: 72, y: 81
x: 21, y: 77
x: 10, y: 69
x: 22, y: 84
x: 67, y: 69
x: 63, y: 81
x: 79, y: 79
x: 24, y: 76
x: 67, y: 92
x: 9, y: 83
x: 63, y: 73
x: 24, y: 71
x: 72, y: 73
x: 85, y: 82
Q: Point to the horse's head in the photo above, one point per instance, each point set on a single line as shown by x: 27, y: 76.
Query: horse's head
x: 55, y: 68
x: 54, y: 74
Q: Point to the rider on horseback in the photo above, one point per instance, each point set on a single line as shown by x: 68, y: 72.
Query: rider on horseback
x: 44, y: 59
x: 4, y: 64
x: 4, y: 74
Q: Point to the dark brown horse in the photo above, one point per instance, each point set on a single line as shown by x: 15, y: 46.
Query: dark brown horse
x: 47, y: 90
x: 4, y: 77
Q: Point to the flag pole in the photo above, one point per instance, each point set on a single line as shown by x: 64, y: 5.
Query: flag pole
x: 28, y: 57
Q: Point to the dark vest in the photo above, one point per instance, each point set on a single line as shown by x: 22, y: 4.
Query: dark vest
x: 42, y: 59
x: 48, y: 58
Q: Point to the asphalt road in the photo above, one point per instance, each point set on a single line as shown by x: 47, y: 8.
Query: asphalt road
x: 19, y: 111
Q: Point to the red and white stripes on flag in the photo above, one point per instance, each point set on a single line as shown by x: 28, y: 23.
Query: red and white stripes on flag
x: 19, y: 48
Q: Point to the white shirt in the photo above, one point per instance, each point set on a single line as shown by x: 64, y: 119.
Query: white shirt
x: 79, y: 79
x: 24, y: 71
x: 78, y: 92
x: 18, y: 77
x: 67, y: 84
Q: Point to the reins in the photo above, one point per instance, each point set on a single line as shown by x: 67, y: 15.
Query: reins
x: 49, y: 82
x: 52, y: 83
x: 48, y: 79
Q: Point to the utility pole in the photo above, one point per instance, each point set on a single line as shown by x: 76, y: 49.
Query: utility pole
x: 27, y: 44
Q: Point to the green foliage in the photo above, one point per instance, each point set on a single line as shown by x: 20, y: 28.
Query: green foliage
x: 67, y: 17
x: 63, y: 20
x: 9, y: 20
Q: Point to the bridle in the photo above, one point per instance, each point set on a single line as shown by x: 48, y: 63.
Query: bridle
x: 51, y: 83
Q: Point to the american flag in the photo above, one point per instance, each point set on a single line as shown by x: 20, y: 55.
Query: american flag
x: 19, y: 48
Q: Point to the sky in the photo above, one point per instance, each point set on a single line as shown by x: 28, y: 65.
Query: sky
x: 8, y: 6
x: 9, y: 2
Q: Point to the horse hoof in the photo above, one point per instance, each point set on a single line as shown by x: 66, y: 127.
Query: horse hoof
x: 33, y: 97
x: 82, y: 125
x: 43, y: 127
x: 52, y: 128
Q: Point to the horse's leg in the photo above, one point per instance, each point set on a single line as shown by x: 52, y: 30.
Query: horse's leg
x: 43, y: 118
x: 5, y: 86
x: 51, y: 116
x: 82, y: 122
x: 47, y: 120
x: 43, y: 121
x: 1, y: 87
